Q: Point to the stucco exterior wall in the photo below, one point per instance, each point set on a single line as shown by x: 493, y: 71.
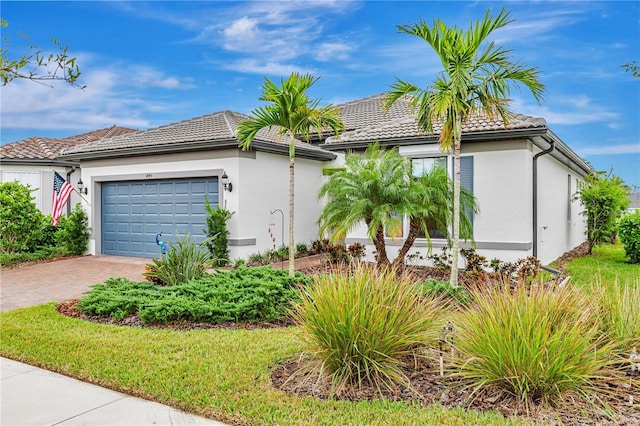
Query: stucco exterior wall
x: 561, y: 227
x: 265, y: 189
x: 503, y: 186
x: 260, y: 185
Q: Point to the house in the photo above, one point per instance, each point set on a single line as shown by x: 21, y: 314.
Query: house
x: 634, y: 202
x: 33, y: 161
x: 155, y: 181
x: 523, y: 176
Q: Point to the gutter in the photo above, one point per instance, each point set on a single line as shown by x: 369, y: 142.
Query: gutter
x: 69, y: 173
x: 535, y: 194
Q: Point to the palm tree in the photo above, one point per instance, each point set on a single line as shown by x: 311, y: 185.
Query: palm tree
x: 290, y: 110
x: 379, y: 189
x: 430, y: 206
x: 371, y: 188
x: 476, y: 80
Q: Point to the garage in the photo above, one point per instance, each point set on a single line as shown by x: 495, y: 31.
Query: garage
x: 133, y: 212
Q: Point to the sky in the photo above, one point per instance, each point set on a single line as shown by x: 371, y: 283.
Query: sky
x: 147, y: 64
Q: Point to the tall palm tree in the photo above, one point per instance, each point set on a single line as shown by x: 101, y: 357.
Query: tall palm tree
x: 371, y: 188
x: 476, y: 80
x: 294, y: 114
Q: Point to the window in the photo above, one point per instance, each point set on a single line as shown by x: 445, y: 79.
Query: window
x: 421, y: 165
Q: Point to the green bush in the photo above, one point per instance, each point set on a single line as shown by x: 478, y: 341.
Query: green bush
x: 11, y: 259
x: 533, y: 343
x: 184, y: 261
x: 629, y: 233
x: 443, y: 289
x: 218, y: 233
x: 73, y: 234
x: 20, y: 219
x: 361, y: 327
x: 240, y: 295
x: 604, y: 197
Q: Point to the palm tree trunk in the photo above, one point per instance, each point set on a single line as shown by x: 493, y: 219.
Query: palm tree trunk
x: 456, y: 211
x: 382, y: 261
x: 292, y: 266
x: 414, y: 228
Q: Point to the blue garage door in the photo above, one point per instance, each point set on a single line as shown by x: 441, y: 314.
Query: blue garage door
x: 133, y: 212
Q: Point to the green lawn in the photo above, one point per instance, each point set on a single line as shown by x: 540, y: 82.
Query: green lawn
x: 607, y: 263
x: 224, y: 374
x: 221, y: 374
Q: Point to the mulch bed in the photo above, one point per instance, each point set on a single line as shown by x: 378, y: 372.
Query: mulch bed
x: 427, y: 387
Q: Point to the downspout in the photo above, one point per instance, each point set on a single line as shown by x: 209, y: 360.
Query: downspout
x: 535, y: 195
x: 73, y: 169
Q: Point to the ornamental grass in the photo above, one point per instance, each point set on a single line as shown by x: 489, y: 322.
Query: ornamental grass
x: 361, y: 326
x: 535, y: 343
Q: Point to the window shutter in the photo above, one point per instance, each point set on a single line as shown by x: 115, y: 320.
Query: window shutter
x: 466, y: 179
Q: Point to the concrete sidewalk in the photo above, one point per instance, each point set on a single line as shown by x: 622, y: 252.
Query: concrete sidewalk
x: 32, y: 396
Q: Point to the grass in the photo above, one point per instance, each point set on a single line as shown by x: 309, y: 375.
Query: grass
x: 221, y: 374
x: 609, y: 262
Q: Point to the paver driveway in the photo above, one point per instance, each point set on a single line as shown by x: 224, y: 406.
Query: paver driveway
x: 63, y: 280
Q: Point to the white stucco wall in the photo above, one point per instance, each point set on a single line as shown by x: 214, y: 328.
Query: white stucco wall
x: 265, y: 189
x: 560, y: 225
x: 260, y: 185
x: 503, y: 186
x: 40, y: 177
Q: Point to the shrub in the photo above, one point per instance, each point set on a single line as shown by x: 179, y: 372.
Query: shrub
x: 337, y: 253
x: 301, y: 249
x: 73, y: 234
x: 532, y: 342
x: 356, y: 251
x: 218, y: 233
x: 629, y: 232
x: 183, y: 262
x: 320, y: 246
x: 443, y: 289
x: 604, y: 197
x: 20, y: 219
x: 241, y: 295
x: 361, y: 326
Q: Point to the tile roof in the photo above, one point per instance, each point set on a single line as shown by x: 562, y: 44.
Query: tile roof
x: 366, y: 120
x: 217, y: 127
x: 36, y: 148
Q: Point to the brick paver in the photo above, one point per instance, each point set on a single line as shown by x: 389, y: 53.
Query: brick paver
x: 63, y: 280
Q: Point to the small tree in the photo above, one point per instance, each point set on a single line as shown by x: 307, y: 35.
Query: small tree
x: 20, y: 219
x: 293, y: 113
x: 604, y: 197
x: 74, y: 233
x: 218, y: 233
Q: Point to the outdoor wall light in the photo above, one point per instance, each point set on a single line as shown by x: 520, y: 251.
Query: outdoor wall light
x: 81, y: 188
x: 228, y: 186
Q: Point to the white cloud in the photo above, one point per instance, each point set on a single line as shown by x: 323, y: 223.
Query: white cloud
x: 569, y: 110
x: 333, y: 51
x: 632, y: 148
x: 242, y: 35
x: 254, y: 66
x: 118, y: 94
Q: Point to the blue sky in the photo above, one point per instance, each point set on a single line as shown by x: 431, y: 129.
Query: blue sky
x: 146, y: 64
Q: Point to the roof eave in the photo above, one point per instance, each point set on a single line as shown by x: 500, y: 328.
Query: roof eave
x: 39, y: 162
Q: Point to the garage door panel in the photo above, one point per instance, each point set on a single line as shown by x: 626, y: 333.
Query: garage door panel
x: 133, y: 212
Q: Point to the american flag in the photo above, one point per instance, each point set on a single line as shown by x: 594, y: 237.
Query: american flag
x: 61, y: 193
